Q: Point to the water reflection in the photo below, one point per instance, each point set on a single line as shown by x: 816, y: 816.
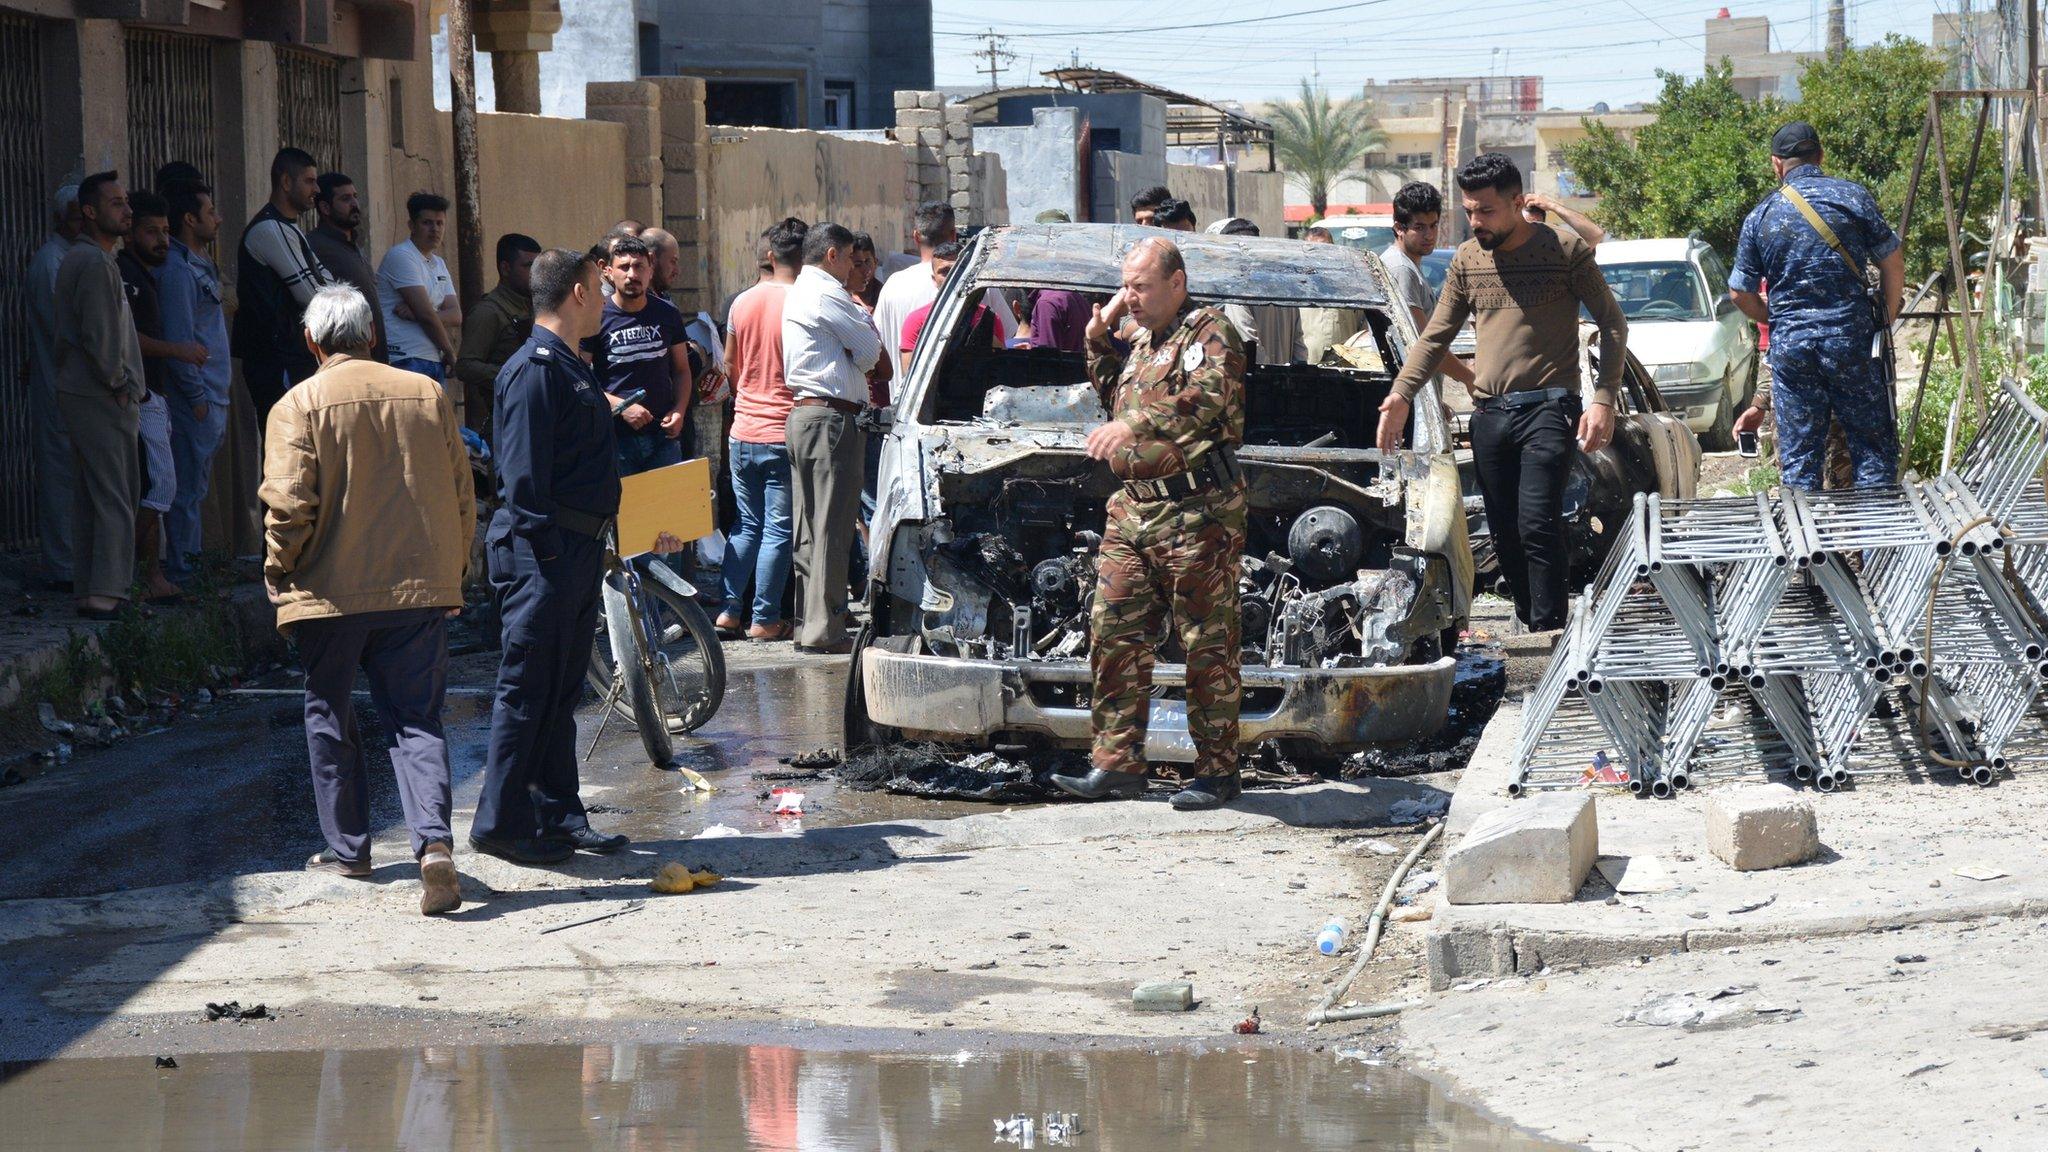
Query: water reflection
x: 640, y: 1098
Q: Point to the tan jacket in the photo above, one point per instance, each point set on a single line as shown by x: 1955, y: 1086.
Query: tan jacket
x: 368, y: 496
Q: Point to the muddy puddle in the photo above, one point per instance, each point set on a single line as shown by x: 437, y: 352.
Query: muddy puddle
x: 755, y: 1098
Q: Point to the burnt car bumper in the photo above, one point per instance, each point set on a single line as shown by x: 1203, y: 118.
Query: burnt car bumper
x: 1342, y: 709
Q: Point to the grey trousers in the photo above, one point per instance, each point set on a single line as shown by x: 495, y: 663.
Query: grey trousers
x: 827, y: 454
x: 106, y: 482
x: 405, y: 654
x: 53, y: 475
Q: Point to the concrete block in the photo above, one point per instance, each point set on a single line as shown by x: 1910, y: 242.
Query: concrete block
x: 962, y: 201
x: 931, y: 100
x: 1468, y: 952
x: 1535, y: 951
x: 903, y: 134
x: 644, y: 170
x: 1534, y: 851
x: 931, y: 137
x: 959, y: 131
x: 1163, y: 996
x: 1757, y: 826
x: 959, y: 165
x: 906, y: 98
x: 919, y: 118
x: 957, y: 113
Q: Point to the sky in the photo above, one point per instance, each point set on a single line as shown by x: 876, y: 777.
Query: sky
x: 1587, y: 50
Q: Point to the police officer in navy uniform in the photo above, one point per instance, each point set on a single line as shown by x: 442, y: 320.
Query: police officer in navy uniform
x: 1825, y: 324
x: 558, y: 486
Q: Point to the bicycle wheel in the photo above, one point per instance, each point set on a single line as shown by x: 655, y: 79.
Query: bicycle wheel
x: 688, y: 659
x: 631, y: 665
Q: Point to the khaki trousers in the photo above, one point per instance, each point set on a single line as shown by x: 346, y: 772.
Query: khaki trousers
x: 827, y: 454
x: 106, y: 484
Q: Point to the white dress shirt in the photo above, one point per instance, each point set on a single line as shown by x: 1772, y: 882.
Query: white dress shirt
x: 828, y: 343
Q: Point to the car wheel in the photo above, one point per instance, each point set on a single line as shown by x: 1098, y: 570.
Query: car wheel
x: 857, y: 730
x: 1721, y: 437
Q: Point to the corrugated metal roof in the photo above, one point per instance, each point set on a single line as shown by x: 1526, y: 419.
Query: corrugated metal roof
x: 1237, y: 269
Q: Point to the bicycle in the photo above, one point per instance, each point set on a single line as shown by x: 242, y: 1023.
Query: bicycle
x: 656, y: 660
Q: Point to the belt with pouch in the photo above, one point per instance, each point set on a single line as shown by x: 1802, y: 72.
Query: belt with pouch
x: 1516, y: 401
x: 1216, y: 470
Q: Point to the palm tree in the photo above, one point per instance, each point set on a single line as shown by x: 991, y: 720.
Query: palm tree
x: 1320, y: 142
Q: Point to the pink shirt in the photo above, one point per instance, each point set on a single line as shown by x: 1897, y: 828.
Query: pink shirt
x: 753, y: 353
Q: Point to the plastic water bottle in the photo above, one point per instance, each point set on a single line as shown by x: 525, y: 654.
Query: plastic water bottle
x: 1331, y: 938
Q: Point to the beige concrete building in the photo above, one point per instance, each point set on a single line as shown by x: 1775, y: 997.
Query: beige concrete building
x: 1758, y: 71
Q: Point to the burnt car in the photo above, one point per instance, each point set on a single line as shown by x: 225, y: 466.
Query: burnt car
x: 1357, y: 574
x: 1653, y: 451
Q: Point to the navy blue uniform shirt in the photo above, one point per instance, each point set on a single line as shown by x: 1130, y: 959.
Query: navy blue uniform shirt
x: 1814, y: 295
x: 554, y: 441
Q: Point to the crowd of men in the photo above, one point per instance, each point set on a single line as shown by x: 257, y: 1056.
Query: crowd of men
x: 376, y: 393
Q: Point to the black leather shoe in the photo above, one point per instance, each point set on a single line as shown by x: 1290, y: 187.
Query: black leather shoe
x: 590, y: 840
x: 1207, y: 792
x: 1101, y: 782
x: 535, y: 851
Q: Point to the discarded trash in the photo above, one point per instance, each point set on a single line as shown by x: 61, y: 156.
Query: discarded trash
x: 166, y: 1062
x: 674, y: 879
x: 1163, y: 996
x: 47, y: 713
x: 1665, y: 1063
x: 1471, y: 986
x: 1416, y: 810
x: 2010, y: 1031
x: 1604, y: 771
x: 1766, y: 903
x: 1914, y: 958
x: 1330, y: 940
x: 1709, y: 1010
x: 1415, y: 886
x: 1359, y: 1056
x: 233, y: 1010
x: 1059, y: 1128
x: 1924, y: 1068
x: 1980, y: 872
x: 718, y: 832
x: 1412, y: 913
x: 1249, y: 1026
x: 1381, y: 848
x: 787, y: 801
x: 631, y: 906
x: 1635, y: 875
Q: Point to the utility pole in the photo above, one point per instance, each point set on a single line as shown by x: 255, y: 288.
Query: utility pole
x: 469, y: 222
x: 1838, y: 28
x: 996, y: 54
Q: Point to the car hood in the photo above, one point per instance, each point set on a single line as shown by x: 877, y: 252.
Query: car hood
x: 1672, y: 341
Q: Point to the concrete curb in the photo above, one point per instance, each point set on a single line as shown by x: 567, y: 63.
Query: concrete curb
x: 1877, y: 882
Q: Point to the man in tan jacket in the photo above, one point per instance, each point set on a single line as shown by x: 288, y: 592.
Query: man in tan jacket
x: 369, y: 517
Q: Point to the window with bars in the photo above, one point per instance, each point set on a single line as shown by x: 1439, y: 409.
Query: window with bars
x: 23, y: 220
x: 309, y: 109
x: 170, y: 104
x: 1412, y: 160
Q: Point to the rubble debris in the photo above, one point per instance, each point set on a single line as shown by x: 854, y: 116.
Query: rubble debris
x: 674, y: 879
x: 47, y: 714
x: 1416, y: 810
x: 631, y: 906
x: 166, y: 1062
x: 233, y: 1010
x: 1249, y: 1026
x: 1163, y: 996
x: 1980, y: 872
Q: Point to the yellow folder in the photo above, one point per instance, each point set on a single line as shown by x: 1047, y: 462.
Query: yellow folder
x: 675, y: 499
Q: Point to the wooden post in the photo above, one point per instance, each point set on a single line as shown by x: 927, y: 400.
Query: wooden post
x: 1973, y: 382
x: 469, y: 223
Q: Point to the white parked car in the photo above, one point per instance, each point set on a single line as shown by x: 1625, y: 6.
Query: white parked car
x: 1685, y: 329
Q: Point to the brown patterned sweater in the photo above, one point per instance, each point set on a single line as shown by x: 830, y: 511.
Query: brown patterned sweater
x: 1527, y: 306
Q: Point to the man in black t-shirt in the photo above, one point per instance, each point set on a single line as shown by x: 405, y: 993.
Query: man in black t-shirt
x: 147, y: 246
x: 641, y: 345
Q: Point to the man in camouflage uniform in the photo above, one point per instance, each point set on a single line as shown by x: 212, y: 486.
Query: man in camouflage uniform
x: 1175, y: 530
x: 1821, y: 316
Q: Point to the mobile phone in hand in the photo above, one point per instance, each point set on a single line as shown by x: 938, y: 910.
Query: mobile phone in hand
x: 1746, y: 444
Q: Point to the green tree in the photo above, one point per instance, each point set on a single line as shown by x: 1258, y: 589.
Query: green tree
x: 1319, y: 142
x: 1698, y: 169
x: 1870, y: 106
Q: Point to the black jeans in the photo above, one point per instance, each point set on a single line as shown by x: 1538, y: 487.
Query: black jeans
x: 1522, y: 457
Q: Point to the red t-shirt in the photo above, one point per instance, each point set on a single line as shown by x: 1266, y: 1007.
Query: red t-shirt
x: 913, y: 324
x: 753, y: 358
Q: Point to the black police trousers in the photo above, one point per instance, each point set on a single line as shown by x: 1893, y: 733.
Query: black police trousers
x: 548, y: 611
x: 1523, y: 457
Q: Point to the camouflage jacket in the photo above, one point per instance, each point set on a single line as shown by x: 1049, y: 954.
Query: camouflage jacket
x: 1814, y: 294
x: 1182, y: 393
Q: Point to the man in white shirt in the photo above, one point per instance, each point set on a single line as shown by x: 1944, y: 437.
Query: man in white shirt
x: 417, y: 296
x: 828, y: 346
x: 906, y: 291
x: 1418, y: 213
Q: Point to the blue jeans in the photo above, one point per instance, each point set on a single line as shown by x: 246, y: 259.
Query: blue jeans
x: 431, y: 369
x: 645, y: 451
x: 758, y: 549
x: 193, y: 442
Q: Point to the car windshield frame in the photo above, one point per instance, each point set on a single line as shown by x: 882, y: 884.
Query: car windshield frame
x: 1633, y: 308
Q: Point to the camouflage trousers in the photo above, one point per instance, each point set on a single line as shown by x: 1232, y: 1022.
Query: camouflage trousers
x: 1819, y: 383
x: 1168, y: 561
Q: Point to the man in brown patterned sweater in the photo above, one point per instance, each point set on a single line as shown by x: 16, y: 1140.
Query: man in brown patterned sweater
x: 1524, y: 283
